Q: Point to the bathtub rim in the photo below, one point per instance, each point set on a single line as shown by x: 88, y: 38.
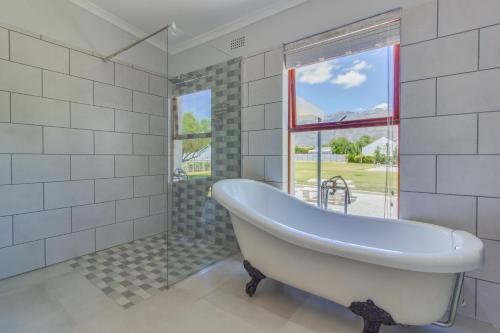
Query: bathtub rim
x: 467, y: 257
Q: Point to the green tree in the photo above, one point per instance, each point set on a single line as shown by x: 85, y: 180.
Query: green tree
x: 193, y: 148
x: 302, y: 149
x: 340, y: 145
x: 364, y: 140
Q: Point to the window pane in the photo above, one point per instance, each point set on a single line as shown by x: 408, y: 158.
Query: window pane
x: 192, y: 157
x: 365, y: 157
x: 194, y: 113
x: 354, y: 87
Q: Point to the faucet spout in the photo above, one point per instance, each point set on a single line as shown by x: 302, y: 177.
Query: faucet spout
x: 330, y: 186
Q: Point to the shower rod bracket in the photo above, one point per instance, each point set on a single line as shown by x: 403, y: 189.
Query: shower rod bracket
x: 123, y: 49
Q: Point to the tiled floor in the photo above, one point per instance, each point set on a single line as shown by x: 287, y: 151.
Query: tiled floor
x: 58, y: 299
x: 133, y: 272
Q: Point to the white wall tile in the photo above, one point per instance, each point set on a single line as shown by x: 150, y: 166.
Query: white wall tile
x: 4, y: 43
x: 244, y: 95
x: 132, y: 122
x: 439, y: 135
x: 131, y: 78
x: 244, y: 143
x: 114, y: 234
x: 148, y: 226
x: 452, y: 211
x: 40, y: 168
x: 460, y: 15
x: 66, y: 194
x: 113, y: 143
x: 91, y: 166
x: 113, y: 189
x: 69, y: 246
x: 39, y: 225
x: 150, y: 104
x: 157, y: 85
x: 91, y: 216
x: 21, y: 258
x: 5, y: 231
x: 20, y: 78
x: 4, y: 106
x: 148, y: 144
x: 39, y: 111
x: 158, y: 125
x: 489, y: 52
x: 253, y: 118
x: 38, y: 53
x: 158, y: 165
x: 93, y: 68
x: 471, y: 92
x: 92, y: 117
x: 265, y: 91
x: 17, y: 199
x: 131, y: 166
x: 490, y: 271
x: 253, y: 68
x: 158, y: 204
x: 418, y: 98
x: 417, y: 173
x: 130, y: 209
x: 489, y: 135
x: 113, y: 97
x: 469, y: 175
x: 67, y: 87
x: 20, y: 138
x: 267, y: 142
x: 274, y: 60
x: 67, y: 141
x: 275, y: 116
x: 488, y: 218
x: 488, y: 302
x: 253, y: 167
x: 432, y: 58
x: 276, y: 168
x: 419, y: 22
x: 5, y: 172
x: 148, y: 185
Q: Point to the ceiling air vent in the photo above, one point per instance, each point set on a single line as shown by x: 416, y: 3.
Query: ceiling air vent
x: 236, y: 43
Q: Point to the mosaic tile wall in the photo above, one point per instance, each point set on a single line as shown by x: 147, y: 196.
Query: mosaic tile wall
x: 194, y: 212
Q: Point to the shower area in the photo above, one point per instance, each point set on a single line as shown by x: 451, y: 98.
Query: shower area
x: 201, y: 145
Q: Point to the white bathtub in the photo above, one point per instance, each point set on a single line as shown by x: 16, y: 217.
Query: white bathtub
x: 406, y: 268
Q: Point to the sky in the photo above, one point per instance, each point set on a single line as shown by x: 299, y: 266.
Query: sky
x: 200, y: 103
x: 351, y: 83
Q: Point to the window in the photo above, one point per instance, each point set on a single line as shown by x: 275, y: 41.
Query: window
x: 344, y: 116
x: 192, y: 134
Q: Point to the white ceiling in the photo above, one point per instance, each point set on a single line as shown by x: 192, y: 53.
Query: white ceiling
x: 197, y: 21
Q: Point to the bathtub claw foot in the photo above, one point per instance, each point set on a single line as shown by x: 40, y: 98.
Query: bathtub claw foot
x: 256, y: 276
x: 373, y: 316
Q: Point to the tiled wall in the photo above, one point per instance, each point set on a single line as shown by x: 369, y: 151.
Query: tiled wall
x: 264, y: 118
x: 82, y: 159
x: 450, y: 141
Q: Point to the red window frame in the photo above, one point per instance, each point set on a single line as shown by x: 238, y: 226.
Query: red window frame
x: 371, y: 122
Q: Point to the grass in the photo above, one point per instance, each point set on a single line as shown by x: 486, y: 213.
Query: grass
x: 364, y: 180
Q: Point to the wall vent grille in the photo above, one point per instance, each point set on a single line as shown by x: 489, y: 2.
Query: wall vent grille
x: 236, y: 43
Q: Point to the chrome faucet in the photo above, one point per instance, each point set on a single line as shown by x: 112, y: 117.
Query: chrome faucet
x: 329, y: 187
x: 179, y: 174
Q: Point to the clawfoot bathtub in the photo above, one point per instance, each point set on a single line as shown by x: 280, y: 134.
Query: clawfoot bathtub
x: 387, y: 271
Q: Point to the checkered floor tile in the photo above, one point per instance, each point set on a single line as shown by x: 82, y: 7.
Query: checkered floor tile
x: 132, y: 272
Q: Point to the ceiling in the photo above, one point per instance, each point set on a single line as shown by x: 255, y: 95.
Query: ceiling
x: 197, y: 21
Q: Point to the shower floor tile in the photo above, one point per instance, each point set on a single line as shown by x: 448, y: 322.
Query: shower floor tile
x: 132, y: 272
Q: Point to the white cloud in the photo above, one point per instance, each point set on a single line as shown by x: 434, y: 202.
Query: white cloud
x: 359, y: 65
x: 319, y: 73
x: 349, y: 79
x: 382, y: 106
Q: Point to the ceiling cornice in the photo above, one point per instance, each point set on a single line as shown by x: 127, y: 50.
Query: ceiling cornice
x: 220, y: 31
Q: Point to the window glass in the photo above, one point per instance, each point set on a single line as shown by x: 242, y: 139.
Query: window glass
x: 348, y: 88
x: 194, y: 113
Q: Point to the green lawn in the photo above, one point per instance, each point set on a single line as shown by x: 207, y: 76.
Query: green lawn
x: 363, y: 179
